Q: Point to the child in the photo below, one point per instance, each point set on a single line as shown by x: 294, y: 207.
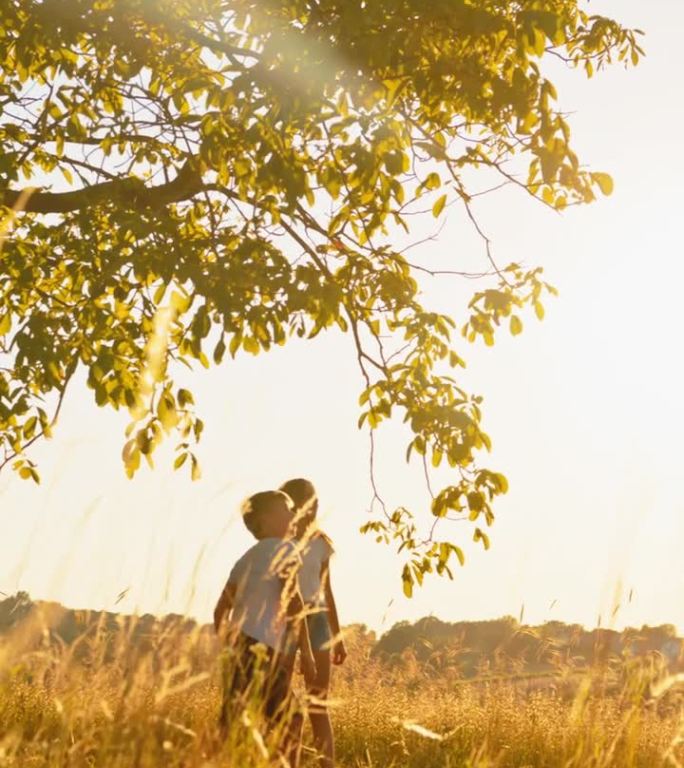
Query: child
x: 324, y: 626
x: 264, y: 604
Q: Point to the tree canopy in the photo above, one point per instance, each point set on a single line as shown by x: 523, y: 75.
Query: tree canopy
x: 188, y: 179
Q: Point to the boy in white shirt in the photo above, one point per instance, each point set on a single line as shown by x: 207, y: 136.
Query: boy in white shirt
x: 264, y: 606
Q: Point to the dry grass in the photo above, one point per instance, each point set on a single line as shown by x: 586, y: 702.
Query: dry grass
x: 104, y: 702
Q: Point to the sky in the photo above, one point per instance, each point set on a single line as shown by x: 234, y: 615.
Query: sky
x: 585, y: 410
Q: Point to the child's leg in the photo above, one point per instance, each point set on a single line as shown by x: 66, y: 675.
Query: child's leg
x: 286, y: 723
x: 321, y: 725
x: 236, y: 670
x: 292, y: 744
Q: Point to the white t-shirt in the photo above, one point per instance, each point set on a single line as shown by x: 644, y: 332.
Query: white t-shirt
x: 314, y: 554
x: 262, y: 578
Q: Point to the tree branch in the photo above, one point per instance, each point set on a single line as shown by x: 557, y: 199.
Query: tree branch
x: 128, y: 191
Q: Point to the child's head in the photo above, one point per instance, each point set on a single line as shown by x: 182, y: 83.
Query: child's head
x: 268, y: 514
x: 303, y: 494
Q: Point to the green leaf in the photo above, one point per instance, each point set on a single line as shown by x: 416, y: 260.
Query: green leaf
x: 180, y: 302
x: 234, y: 345
x: 605, y: 182
x: 432, y: 181
x: 131, y: 457
x: 159, y: 294
x: 30, y: 427
x: 219, y: 351
x: 394, y: 162
x: 502, y: 482
x: 407, y: 581
x: 185, y: 398
x: 436, y: 457
x: 438, y: 207
x: 166, y: 411
x: 251, y: 345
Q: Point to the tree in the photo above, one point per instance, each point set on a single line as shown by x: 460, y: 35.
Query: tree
x: 189, y: 178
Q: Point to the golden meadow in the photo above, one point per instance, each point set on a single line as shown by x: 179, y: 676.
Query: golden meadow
x: 149, y: 696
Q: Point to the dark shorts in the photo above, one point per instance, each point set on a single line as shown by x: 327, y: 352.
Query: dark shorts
x: 320, y: 632
x: 255, y: 675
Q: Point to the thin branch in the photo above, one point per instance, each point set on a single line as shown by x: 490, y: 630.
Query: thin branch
x: 426, y: 472
x: 14, y: 454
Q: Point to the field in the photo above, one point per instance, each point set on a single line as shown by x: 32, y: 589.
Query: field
x: 105, y: 701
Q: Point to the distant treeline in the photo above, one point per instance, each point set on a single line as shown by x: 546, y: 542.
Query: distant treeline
x: 467, y: 648
x: 504, y: 645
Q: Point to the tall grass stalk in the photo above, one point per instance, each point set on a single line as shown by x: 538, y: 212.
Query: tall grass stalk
x: 118, y: 699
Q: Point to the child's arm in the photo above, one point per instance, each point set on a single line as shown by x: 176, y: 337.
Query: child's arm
x: 338, y: 649
x: 295, y: 609
x: 224, y: 605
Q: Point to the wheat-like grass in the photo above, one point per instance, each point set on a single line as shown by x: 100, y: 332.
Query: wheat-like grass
x: 130, y: 699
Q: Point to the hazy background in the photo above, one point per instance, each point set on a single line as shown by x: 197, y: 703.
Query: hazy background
x: 585, y: 410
